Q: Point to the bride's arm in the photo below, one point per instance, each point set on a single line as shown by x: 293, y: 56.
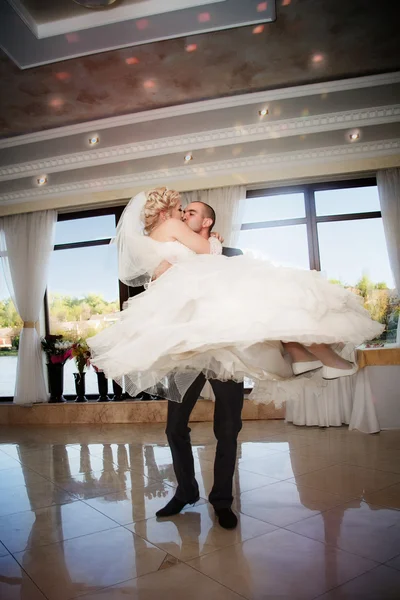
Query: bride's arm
x: 183, y: 234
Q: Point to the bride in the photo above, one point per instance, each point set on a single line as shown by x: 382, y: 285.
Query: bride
x: 225, y: 317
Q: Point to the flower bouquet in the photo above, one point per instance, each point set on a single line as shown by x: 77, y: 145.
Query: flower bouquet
x: 81, y: 355
x: 57, y: 351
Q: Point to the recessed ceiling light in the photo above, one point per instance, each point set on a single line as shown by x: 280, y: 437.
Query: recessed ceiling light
x: 188, y: 157
x: 354, y: 136
x: 204, y: 17
x: 318, y: 58
x: 56, y: 102
x: 263, y: 112
x: 42, y: 180
x: 94, y: 140
x: 149, y: 84
x: 191, y: 48
x: 132, y: 60
x: 258, y: 29
x: 63, y: 76
x: 142, y: 24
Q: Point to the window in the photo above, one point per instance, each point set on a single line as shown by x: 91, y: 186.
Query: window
x: 83, y: 288
x: 363, y: 199
x: 10, y: 329
x: 274, y: 226
x: 336, y: 228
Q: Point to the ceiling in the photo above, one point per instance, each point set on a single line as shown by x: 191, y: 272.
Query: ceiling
x: 323, y: 70
x: 351, y: 39
x: 34, y: 32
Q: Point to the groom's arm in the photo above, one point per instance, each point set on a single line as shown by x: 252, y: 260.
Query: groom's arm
x: 161, y: 269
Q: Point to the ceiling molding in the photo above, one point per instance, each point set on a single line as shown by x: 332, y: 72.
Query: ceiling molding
x: 147, y: 178
x: 204, y: 106
x: 195, y: 141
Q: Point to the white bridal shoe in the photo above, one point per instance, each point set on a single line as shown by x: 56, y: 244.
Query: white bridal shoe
x: 304, y: 367
x: 332, y: 373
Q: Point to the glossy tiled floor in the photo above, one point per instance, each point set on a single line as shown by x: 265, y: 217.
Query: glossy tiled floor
x: 319, y: 516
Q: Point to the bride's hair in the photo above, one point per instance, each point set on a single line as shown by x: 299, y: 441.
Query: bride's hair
x: 158, y: 200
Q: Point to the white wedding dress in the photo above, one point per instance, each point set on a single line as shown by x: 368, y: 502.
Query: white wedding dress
x: 225, y: 317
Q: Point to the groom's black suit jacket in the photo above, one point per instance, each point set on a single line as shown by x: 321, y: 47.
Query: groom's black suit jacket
x: 231, y: 251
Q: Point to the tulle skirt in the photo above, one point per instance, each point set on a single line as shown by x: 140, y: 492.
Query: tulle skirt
x: 225, y: 317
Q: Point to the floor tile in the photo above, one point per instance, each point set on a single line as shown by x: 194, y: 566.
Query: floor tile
x: 59, y: 470
x: 284, y: 503
x: 248, y: 450
x: 101, y: 483
x: 347, y: 479
x: 394, y: 563
x: 388, y: 496
x: 242, y: 482
x: 40, y: 495
x: 177, y: 583
x: 284, y: 442
x: 366, y: 530
x: 7, y: 462
x: 281, y: 565
x: 381, y: 583
x: 86, y: 564
x: 194, y: 532
x: 127, y: 506
x: 288, y: 478
x: 15, y: 584
x: 284, y: 465
x: 48, y: 525
x: 19, y: 476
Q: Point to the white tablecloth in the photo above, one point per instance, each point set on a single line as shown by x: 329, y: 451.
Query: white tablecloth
x: 368, y: 401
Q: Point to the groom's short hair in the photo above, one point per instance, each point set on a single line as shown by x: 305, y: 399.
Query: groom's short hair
x: 209, y: 213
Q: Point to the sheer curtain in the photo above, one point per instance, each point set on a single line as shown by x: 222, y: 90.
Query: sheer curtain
x: 228, y: 203
x: 26, y: 243
x: 389, y: 195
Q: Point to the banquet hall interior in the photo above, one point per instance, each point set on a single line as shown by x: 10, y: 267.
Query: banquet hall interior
x: 284, y: 117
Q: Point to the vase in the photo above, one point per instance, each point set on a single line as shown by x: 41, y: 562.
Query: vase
x: 117, y: 389
x: 102, y: 382
x: 80, y: 387
x: 55, y: 373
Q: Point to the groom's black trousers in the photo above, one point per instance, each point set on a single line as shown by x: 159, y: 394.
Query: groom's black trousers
x: 227, y: 424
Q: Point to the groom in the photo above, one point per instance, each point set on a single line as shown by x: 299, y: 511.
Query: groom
x: 227, y: 418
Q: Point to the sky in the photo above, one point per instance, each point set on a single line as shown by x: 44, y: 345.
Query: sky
x: 348, y: 249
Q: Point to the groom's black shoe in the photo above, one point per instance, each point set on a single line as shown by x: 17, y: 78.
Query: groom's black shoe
x: 173, y: 507
x: 226, y: 517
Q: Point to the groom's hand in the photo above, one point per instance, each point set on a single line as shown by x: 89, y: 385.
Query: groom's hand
x: 218, y: 236
x: 161, y: 269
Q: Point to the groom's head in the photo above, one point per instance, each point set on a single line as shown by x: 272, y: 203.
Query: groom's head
x: 200, y: 217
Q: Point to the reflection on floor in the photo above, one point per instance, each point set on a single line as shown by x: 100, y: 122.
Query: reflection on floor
x: 319, y: 515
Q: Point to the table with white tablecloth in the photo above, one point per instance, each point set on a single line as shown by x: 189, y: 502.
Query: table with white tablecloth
x: 367, y: 401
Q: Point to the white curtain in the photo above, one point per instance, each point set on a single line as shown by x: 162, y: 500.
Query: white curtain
x: 389, y: 195
x: 228, y: 203
x: 26, y: 243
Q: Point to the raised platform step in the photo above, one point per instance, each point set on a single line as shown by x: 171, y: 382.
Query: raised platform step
x: 154, y: 411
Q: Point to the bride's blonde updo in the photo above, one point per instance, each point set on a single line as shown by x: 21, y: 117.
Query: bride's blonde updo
x: 158, y: 200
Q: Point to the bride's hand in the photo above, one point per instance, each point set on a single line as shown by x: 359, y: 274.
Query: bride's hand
x: 218, y: 236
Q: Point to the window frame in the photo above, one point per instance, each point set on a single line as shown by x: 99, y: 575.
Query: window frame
x: 311, y: 219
